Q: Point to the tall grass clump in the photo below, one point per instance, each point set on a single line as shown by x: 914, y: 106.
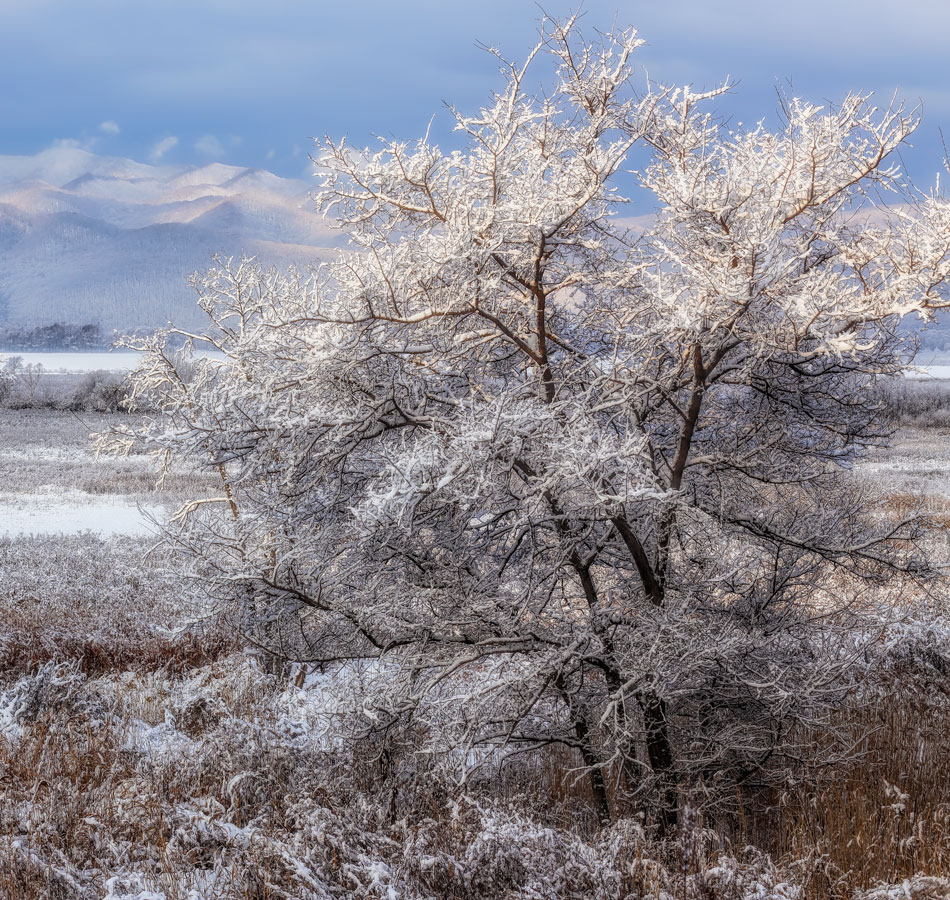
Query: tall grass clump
x: 918, y: 403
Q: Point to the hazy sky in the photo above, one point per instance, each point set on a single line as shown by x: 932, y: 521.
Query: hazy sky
x: 250, y: 83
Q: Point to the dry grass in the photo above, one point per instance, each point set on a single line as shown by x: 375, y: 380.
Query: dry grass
x: 178, y: 778
x: 101, y: 604
x: 144, y: 757
x: 899, y: 505
x: 230, y: 808
x: 882, y: 818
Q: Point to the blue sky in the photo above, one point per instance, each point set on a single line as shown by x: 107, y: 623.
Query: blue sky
x: 249, y: 83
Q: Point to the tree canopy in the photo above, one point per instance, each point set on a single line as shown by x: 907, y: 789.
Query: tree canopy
x: 544, y: 475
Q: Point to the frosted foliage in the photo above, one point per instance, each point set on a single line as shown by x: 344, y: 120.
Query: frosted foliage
x: 241, y: 807
x: 576, y: 485
x: 151, y: 785
x: 917, y: 888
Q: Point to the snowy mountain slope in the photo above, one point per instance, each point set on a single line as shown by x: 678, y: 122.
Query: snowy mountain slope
x: 85, y: 238
x: 93, y: 239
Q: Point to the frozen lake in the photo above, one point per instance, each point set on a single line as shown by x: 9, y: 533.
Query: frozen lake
x: 126, y: 360
x: 932, y: 372
x: 38, y: 514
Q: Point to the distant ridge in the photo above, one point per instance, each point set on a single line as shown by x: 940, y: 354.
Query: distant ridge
x: 105, y: 240
x: 87, y: 239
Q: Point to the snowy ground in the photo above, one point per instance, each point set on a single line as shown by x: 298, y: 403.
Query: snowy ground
x: 916, y: 464
x: 51, y: 481
x: 74, y: 512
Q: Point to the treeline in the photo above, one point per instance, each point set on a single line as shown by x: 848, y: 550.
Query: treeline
x: 58, y: 336
x: 921, y: 403
x: 31, y: 386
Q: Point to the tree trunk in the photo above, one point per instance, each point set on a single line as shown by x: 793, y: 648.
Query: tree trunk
x: 597, y: 785
x: 660, y: 754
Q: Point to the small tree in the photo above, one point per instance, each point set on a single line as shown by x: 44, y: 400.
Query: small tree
x: 9, y: 366
x: 32, y: 379
x: 562, y: 481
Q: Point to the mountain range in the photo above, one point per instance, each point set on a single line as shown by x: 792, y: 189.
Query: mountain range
x: 93, y: 239
x: 87, y: 239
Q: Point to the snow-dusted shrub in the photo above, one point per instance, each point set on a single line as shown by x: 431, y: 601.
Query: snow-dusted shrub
x: 102, y: 603
x: 101, y: 391
x: 490, y: 851
x: 914, y: 655
x: 757, y: 878
x: 917, y: 888
x: 922, y: 403
x: 31, y: 697
x: 882, y: 812
x: 8, y: 367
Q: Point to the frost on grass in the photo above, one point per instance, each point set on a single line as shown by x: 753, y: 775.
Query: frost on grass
x: 226, y: 780
x: 115, y: 787
x: 102, y: 603
x: 917, y: 888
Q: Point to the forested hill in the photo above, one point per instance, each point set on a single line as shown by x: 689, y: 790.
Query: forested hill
x: 91, y: 239
x: 934, y: 340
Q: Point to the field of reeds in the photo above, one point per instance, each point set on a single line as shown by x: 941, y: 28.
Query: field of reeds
x: 146, y: 753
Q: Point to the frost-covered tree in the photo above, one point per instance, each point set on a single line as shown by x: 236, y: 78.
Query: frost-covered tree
x: 8, y: 369
x: 544, y: 479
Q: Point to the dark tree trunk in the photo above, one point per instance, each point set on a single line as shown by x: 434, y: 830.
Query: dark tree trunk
x: 660, y: 754
x: 597, y: 785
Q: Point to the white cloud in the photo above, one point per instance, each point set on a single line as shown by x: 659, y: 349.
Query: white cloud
x: 209, y: 145
x: 637, y: 224
x: 88, y: 144
x: 162, y: 147
x: 109, y: 127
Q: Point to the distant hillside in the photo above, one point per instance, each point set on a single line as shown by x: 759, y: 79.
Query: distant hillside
x: 935, y: 341
x: 91, y: 239
x: 87, y: 239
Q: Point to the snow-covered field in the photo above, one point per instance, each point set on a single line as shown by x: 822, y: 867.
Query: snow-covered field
x: 72, y: 512
x: 51, y: 481
x: 917, y: 463
x: 145, y: 755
